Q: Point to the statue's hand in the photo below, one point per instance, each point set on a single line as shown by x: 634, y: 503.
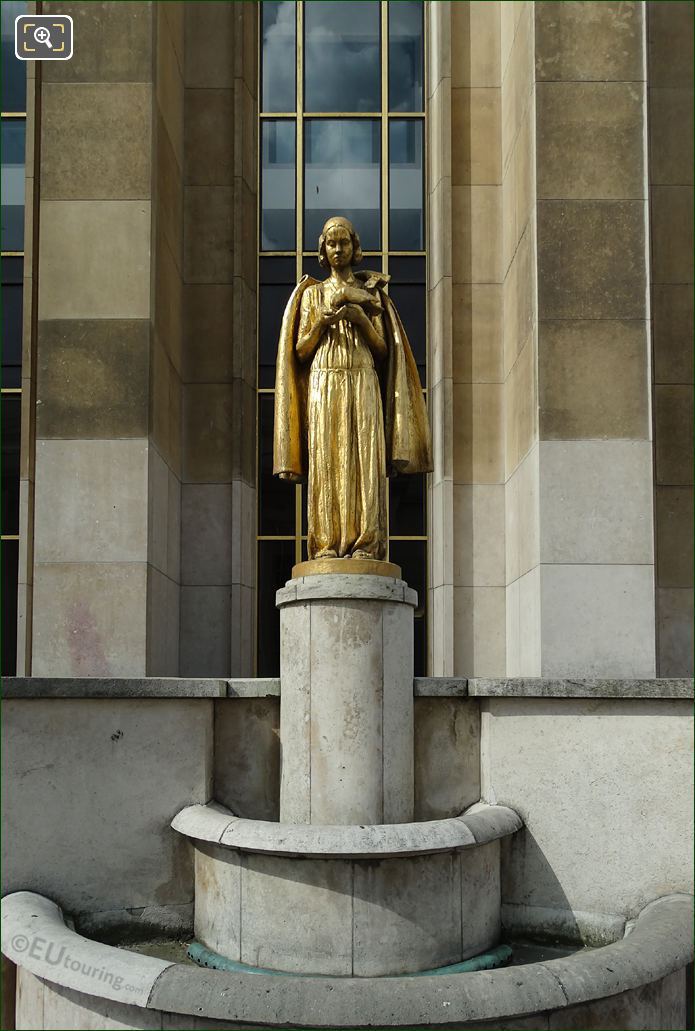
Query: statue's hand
x: 328, y: 317
x: 353, y: 313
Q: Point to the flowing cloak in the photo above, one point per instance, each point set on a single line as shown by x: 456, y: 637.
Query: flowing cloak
x: 406, y: 428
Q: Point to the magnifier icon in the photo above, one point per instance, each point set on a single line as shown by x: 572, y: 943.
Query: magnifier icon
x: 42, y: 35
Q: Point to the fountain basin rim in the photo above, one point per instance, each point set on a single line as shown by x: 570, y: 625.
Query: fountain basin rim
x: 477, y: 826
x: 659, y: 944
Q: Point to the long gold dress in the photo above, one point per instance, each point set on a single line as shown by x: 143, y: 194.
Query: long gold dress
x: 346, y: 450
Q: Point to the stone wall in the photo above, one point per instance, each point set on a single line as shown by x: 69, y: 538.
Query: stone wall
x: 602, y: 782
x: 670, y: 72
x: 219, y: 340
x: 90, y: 543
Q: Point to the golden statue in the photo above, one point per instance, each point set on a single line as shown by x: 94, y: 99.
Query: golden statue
x: 348, y: 401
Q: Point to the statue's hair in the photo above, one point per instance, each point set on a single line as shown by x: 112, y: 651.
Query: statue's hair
x: 345, y: 223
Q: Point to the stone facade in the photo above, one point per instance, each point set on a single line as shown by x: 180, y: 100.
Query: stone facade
x: 560, y: 315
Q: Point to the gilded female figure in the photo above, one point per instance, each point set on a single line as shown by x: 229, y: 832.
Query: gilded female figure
x: 348, y: 401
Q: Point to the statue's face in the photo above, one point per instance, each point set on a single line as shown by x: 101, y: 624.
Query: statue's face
x: 338, y: 247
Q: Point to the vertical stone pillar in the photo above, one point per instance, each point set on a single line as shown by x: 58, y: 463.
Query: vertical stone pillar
x: 94, y: 179
x: 670, y: 81
x: 346, y: 710
x: 477, y: 352
x: 590, y: 611
x: 219, y: 341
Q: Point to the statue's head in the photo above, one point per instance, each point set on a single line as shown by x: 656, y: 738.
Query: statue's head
x: 338, y: 238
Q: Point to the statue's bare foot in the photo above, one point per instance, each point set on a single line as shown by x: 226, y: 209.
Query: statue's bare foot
x: 326, y: 553
x: 361, y: 554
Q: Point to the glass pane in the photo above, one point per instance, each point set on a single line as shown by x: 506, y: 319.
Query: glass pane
x: 278, y: 185
x: 275, y: 561
x: 410, y: 300
x: 10, y: 556
x: 11, y: 335
x: 13, y: 133
x: 12, y: 270
x: 405, y: 55
x: 11, y: 409
x: 14, y: 72
x: 277, y: 280
x: 275, y: 496
x: 407, y: 506
x: 406, y: 224
x: 341, y: 56
x: 410, y: 556
x: 278, y: 60
x: 342, y: 161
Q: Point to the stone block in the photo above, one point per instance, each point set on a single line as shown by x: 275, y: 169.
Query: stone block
x: 209, y: 215
x: 92, y: 378
x: 96, y: 141
x: 479, y: 631
x: 163, y: 618
x: 671, y: 136
x: 94, y: 259
x: 674, y: 536
x: 441, y: 405
x: 275, y: 892
x: 447, y: 757
x: 346, y: 725
x: 479, y: 533
x: 581, y: 41
x: 672, y: 234
x: 673, y: 417
x: 208, y: 530
x: 597, y: 620
x: 590, y: 140
x: 475, y: 44
x: 440, y: 132
x: 519, y: 299
x: 441, y: 544
x: 91, y: 501
x: 210, y: 139
x: 521, y: 406
x: 169, y: 194
x: 406, y: 915
x: 210, y: 45
x: 205, y: 622
x: 89, y: 619
x: 670, y: 44
x: 476, y: 156
x: 165, y: 406
x: 440, y: 239
x: 593, y: 379
x: 218, y: 913
x: 596, y: 502
x: 115, y: 43
x: 478, y: 433
x: 168, y: 299
x: 530, y: 628
x: 675, y: 631
x: 247, y: 757
x: 440, y: 320
x: 143, y: 758
x: 210, y: 434
x: 603, y: 756
x: 672, y: 314
x: 480, y: 898
x: 591, y: 261
x: 169, y: 84
x: 439, y: 45
x: 397, y: 713
x: 522, y: 517
x: 477, y: 217
x: 477, y: 333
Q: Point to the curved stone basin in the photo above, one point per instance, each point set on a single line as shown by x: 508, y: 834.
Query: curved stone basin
x: 96, y: 985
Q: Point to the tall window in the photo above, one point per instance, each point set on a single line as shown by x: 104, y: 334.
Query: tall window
x: 13, y: 137
x: 341, y: 133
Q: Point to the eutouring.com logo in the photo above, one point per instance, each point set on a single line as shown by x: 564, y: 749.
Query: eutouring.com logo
x: 58, y: 955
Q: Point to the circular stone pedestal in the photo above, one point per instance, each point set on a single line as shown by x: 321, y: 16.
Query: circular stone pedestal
x: 346, y: 709
x: 347, y: 901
